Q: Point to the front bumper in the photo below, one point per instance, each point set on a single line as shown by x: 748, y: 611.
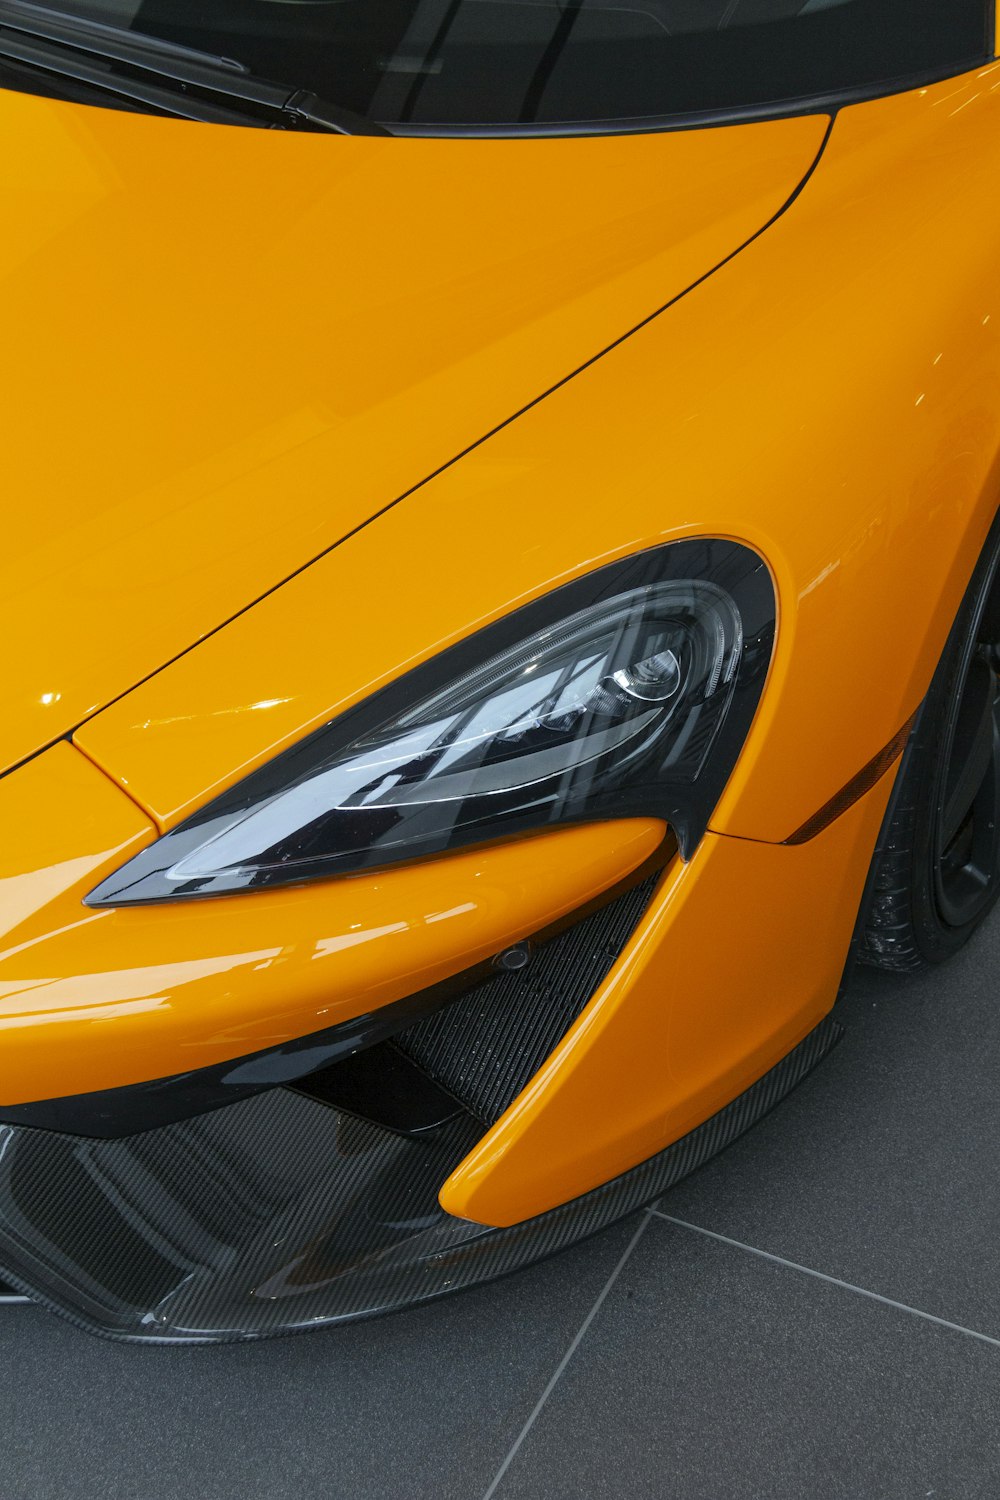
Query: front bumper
x: 290, y: 1208
x: 278, y: 1214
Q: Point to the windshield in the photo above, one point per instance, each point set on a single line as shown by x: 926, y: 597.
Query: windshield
x: 549, y: 62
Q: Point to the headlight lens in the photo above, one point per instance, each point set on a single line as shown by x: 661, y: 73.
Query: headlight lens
x: 628, y: 692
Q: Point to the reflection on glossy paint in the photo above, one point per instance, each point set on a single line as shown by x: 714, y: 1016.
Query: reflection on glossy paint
x: 104, y: 990
x: 326, y: 947
x: 29, y: 890
x: 214, y: 713
x: 127, y: 1010
x: 821, y: 577
x: 453, y: 911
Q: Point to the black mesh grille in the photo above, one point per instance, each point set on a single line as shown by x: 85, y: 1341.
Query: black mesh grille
x: 486, y: 1046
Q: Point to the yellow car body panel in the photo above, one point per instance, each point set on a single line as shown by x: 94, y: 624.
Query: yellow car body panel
x: 266, y: 338
x: 254, y: 687
x: 820, y: 398
x: 684, y: 1023
x: 860, y: 458
x: 92, y: 1000
x: 292, y: 453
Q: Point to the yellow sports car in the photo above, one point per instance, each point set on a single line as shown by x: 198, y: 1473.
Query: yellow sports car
x: 499, y: 563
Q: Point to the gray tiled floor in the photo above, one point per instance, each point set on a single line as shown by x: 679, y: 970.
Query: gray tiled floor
x: 732, y: 1354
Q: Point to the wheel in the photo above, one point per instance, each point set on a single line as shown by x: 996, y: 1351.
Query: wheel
x: 937, y: 872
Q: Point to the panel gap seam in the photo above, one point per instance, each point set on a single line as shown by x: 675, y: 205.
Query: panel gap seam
x: 119, y: 784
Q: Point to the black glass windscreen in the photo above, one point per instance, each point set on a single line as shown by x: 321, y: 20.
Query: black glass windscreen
x: 506, y: 62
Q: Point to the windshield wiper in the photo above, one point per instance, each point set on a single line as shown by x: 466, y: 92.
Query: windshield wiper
x: 164, y: 76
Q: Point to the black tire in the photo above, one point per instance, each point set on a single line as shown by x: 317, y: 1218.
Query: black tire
x: 937, y: 874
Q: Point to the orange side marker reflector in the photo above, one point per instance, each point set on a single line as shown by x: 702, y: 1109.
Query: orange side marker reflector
x: 855, y: 788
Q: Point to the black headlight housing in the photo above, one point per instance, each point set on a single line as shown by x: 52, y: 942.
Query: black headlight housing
x: 627, y: 692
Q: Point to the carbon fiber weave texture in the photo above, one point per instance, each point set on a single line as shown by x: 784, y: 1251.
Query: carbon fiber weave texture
x: 277, y: 1215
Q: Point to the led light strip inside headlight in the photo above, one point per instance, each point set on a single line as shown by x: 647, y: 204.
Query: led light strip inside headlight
x: 627, y: 692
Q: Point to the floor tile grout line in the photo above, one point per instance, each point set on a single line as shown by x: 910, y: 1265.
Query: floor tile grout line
x: 561, y: 1366
x: 847, y: 1286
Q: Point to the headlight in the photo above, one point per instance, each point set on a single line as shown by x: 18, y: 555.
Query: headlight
x: 628, y: 692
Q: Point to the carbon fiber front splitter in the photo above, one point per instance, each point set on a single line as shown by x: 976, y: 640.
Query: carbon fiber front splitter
x: 279, y: 1214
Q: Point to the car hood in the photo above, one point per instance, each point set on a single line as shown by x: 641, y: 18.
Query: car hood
x: 225, y: 349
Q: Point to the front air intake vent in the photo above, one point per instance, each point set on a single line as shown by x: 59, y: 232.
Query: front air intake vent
x: 485, y: 1047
